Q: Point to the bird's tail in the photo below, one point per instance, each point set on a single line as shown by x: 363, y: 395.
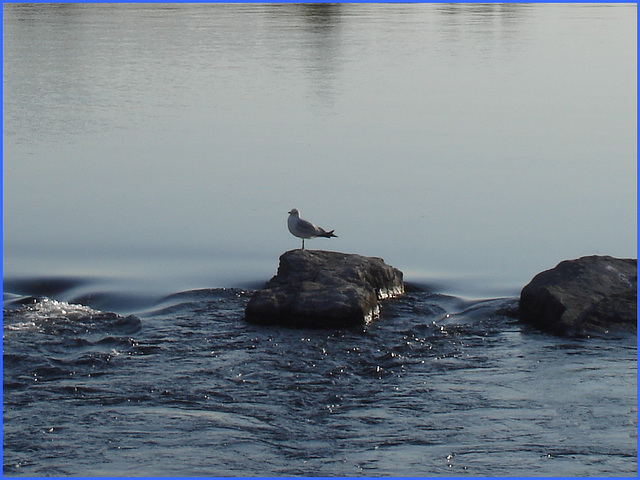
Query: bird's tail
x: 327, y: 234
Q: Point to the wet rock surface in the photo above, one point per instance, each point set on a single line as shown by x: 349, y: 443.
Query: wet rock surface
x: 316, y: 288
x: 578, y: 297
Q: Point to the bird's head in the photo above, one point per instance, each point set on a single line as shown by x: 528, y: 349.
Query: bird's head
x: 294, y: 211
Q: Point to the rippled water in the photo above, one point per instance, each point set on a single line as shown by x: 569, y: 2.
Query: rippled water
x: 436, y: 386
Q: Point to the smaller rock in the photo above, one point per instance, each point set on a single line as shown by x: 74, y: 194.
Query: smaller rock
x: 316, y: 288
x: 577, y: 297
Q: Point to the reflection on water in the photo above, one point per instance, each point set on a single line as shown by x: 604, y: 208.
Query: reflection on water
x: 494, y: 28
x: 323, y: 56
x: 456, y: 141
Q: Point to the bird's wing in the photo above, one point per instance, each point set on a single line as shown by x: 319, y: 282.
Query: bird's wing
x: 306, y: 228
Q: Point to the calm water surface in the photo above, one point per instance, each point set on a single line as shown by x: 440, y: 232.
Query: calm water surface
x: 150, y: 154
x: 471, y: 146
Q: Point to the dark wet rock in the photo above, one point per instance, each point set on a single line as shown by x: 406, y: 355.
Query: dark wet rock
x: 316, y: 288
x: 577, y: 297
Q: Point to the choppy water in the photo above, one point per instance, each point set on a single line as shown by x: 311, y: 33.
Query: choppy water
x: 437, y: 386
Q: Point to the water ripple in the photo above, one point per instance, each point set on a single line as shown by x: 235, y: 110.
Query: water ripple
x: 436, y: 386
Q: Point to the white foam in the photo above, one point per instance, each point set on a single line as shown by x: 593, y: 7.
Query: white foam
x: 34, y: 315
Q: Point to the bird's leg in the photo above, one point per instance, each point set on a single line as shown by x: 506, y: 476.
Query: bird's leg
x: 303, y: 243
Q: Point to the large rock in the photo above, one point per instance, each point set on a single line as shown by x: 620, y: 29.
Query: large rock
x: 577, y: 297
x: 315, y: 288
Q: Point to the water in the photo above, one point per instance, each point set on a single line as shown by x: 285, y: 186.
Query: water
x: 437, y: 386
x: 471, y: 145
x: 150, y: 154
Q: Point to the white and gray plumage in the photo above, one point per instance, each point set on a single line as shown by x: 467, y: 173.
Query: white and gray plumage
x: 302, y: 228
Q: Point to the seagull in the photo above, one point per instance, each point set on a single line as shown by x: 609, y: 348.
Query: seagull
x: 302, y: 228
